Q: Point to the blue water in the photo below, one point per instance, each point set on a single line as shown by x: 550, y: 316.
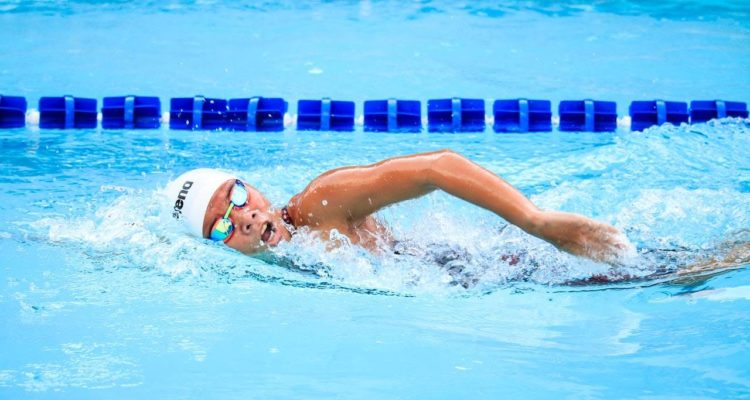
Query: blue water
x: 101, y: 297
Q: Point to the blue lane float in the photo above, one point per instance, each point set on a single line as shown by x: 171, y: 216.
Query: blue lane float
x: 257, y: 114
x: 588, y: 115
x: 67, y: 112
x: 325, y: 115
x: 522, y: 115
x: 706, y: 110
x: 12, y: 111
x: 645, y: 114
x: 197, y: 113
x: 455, y: 115
x: 131, y: 112
x: 392, y: 115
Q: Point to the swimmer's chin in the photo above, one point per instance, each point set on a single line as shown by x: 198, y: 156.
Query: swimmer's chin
x: 276, y: 238
x: 257, y: 250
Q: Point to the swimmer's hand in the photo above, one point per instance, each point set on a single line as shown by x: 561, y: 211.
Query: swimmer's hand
x: 582, y: 236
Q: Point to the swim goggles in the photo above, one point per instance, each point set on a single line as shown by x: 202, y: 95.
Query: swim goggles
x: 224, y: 228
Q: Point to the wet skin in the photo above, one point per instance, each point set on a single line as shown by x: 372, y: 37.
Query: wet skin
x: 250, y: 221
x: 346, y: 198
x: 258, y: 216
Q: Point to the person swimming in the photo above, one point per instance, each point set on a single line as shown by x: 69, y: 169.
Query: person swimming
x: 215, y: 205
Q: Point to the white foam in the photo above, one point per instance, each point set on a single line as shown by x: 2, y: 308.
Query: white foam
x: 134, y: 230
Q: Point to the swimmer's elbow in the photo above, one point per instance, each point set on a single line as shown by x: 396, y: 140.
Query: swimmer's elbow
x: 447, y: 153
x: 447, y: 159
x: 442, y: 163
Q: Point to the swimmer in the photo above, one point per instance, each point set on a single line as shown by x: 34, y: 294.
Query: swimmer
x: 219, y: 206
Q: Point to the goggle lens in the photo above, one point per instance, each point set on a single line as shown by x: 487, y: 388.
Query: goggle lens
x: 223, y: 228
x: 239, y: 194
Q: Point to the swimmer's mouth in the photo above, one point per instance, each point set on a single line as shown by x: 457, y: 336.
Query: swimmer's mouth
x: 268, y: 230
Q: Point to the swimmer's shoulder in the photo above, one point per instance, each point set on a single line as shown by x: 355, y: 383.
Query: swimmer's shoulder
x: 311, y: 208
x: 322, y: 201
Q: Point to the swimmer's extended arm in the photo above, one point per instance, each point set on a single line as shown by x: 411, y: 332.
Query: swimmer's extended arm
x: 353, y: 193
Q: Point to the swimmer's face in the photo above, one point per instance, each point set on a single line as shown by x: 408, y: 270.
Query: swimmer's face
x: 256, y: 226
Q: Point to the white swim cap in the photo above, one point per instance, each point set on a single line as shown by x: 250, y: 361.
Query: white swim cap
x: 191, y: 193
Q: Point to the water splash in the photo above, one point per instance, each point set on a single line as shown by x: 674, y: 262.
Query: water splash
x: 677, y: 192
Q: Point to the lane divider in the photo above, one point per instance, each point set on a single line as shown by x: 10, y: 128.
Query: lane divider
x: 390, y: 115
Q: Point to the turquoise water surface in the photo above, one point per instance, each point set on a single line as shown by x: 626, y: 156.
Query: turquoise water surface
x: 102, y: 297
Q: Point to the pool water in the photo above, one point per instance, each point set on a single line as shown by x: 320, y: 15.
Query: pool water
x: 102, y: 297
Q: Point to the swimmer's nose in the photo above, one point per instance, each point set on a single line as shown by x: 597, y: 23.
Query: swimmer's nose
x: 250, y: 220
